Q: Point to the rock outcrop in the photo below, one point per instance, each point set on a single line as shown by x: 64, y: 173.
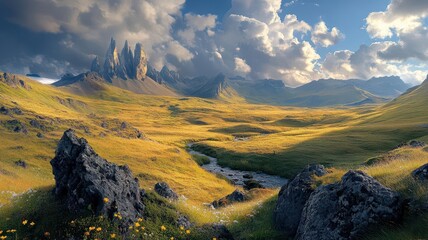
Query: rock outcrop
x: 14, y: 81
x: 165, y: 191
x: 293, y: 197
x: 84, y: 181
x: 348, y: 209
x: 236, y: 196
x: 421, y: 174
x: 140, y: 62
x: 95, y: 66
x: 126, y: 65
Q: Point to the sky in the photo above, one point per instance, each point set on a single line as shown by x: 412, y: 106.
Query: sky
x: 296, y: 41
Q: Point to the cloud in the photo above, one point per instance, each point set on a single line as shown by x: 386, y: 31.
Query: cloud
x: 365, y: 63
x: 405, y: 20
x: 241, y: 66
x: 197, y: 23
x: 87, y: 26
x: 322, y: 36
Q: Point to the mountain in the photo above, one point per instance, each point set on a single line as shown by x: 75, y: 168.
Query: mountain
x: 89, y: 83
x: 409, y: 108
x: 324, y: 92
x: 217, y: 88
x: 127, y: 70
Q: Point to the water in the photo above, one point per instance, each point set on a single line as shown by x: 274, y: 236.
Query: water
x: 237, y: 176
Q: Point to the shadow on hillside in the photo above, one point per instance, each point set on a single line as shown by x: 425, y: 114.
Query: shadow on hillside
x: 345, y: 148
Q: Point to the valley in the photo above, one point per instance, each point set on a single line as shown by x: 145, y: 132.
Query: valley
x: 150, y: 134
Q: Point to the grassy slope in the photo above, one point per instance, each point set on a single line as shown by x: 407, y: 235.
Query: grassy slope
x: 284, y: 139
x: 341, y: 139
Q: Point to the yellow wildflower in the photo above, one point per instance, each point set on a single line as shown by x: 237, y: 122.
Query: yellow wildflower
x: 32, y: 223
x: 142, y: 228
x: 86, y: 234
x: 214, y: 238
x: 163, y: 228
x: 1, y: 231
x: 24, y: 222
x: 99, y: 229
x: 91, y: 228
x: 47, y: 234
x: 106, y: 200
x: 113, y: 235
x: 140, y: 219
x: 12, y: 230
x: 137, y: 224
x: 130, y: 227
x: 181, y: 228
x: 136, y: 230
x: 172, y: 238
x: 3, y: 237
x: 187, y: 231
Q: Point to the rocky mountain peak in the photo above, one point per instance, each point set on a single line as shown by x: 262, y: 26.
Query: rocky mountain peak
x: 95, y: 66
x: 127, y: 59
x: 140, y: 62
x: 126, y: 65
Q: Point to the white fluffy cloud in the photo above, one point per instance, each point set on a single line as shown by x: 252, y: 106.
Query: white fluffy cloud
x: 241, y: 66
x: 322, y: 36
x: 366, y: 63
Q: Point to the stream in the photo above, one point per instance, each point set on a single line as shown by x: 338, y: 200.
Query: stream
x: 237, y: 176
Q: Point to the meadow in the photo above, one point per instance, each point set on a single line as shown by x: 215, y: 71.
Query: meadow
x: 276, y: 140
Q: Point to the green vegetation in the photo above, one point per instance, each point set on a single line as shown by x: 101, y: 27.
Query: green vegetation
x: 281, y: 140
x: 201, y: 160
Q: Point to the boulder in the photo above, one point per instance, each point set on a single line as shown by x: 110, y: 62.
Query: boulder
x: 84, y: 181
x: 348, y: 209
x: 293, y: 197
x: 21, y: 163
x: 165, y: 191
x: 421, y: 174
x: 236, y: 196
x: 4, y: 110
x: 247, y: 176
x: 251, y: 184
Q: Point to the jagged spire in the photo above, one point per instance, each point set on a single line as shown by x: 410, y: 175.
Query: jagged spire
x: 95, y: 67
x: 140, y: 62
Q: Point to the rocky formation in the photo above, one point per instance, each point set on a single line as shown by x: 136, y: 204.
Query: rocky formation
x: 127, y: 58
x: 15, y: 126
x: 95, y: 66
x: 84, y: 181
x: 236, y: 196
x: 251, y: 184
x: 411, y: 144
x: 165, y: 191
x: 421, y: 174
x: 348, y: 209
x: 140, y: 63
x: 13, y: 81
x: 125, y: 65
x: 293, y: 197
x: 21, y: 163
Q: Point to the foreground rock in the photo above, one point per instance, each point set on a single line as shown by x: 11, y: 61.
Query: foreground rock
x: 411, y: 144
x: 165, y: 191
x: 348, y: 209
x: 236, y: 196
x: 421, y: 173
x: 292, y: 199
x: 85, y: 180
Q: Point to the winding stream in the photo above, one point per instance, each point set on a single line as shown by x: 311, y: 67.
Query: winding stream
x: 237, y: 176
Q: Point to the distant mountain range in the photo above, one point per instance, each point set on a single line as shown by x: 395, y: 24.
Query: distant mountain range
x: 131, y: 71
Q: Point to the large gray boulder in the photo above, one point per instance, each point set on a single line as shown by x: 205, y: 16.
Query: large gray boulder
x: 85, y: 180
x: 421, y: 174
x: 236, y: 196
x: 165, y: 191
x: 292, y: 199
x: 348, y: 209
